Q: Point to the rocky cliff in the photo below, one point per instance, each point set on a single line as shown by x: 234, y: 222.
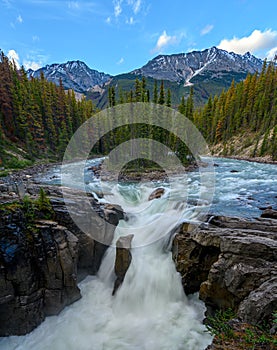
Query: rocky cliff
x: 232, y: 263
x: 42, y: 260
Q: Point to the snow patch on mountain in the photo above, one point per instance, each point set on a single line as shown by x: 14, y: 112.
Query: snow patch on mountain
x: 183, y: 67
x: 75, y: 75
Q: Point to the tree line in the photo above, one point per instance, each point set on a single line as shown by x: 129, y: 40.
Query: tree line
x: 37, y: 115
x: 246, y: 108
x: 41, y: 117
x: 140, y: 93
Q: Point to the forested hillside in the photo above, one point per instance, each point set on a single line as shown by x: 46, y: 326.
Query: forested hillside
x: 37, y: 117
x: 244, y: 117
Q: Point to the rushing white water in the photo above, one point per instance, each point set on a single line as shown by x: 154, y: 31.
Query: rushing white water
x: 150, y: 310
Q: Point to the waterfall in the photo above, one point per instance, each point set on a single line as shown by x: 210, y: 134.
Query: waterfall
x: 149, y: 310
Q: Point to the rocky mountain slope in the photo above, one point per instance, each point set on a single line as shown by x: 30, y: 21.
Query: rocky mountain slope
x: 181, y: 68
x: 209, y: 71
x: 75, y: 75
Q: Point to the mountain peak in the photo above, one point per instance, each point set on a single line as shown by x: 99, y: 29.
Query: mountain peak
x: 183, y: 67
x: 75, y: 75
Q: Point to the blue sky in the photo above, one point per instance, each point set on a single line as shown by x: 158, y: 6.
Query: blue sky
x: 117, y: 36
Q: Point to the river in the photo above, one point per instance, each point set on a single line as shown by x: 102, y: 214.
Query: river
x: 150, y: 310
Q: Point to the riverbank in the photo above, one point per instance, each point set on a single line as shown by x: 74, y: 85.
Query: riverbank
x: 32, y: 173
x: 262, y: 160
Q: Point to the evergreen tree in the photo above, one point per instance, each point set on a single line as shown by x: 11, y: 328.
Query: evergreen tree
x: 161, y: 100
x: 138, y: 91
x: 190, y: 105
x: 155, y: 93
x: 182, y: 106
x: 36, y: 114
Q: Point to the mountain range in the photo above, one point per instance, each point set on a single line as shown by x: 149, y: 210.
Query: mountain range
x: 75, y: 75
x: 209, y: 71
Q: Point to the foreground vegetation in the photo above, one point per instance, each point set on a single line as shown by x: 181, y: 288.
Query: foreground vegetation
x: 231, y: 334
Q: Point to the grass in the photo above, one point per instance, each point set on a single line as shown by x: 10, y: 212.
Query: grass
x: 218, y: 324
x: 33, y: 209
x: 240, y: 336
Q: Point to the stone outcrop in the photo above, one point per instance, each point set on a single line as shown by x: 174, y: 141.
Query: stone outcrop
x: 38, y: 272
x: 122, y: 260
x: 41, y: 264
x: 232, y: 263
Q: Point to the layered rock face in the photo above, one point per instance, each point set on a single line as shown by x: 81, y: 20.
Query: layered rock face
x: 38, y: 272
x: 232, y: 263
x: 39, y: 264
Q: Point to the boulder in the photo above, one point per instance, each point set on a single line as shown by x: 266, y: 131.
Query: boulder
x: 269, y: 213
x: 122, y: 260
x: 157, y: 193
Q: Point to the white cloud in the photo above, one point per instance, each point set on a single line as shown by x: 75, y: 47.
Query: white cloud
x: 133, y: 6
x: 120, y: 61
x: 19, y: 19
x: 207, y: 29
x: 33, y: 62
x: 130, y: 21
x: 163, y: 41
x: 73, y: 5
x: 117, y: 7
x: 108, y: 20
x: 7, y: 3
x: 271, y: 53
x: 255, y: 42
x: 31, y: 65
x: 136, y: 5
x: 35, y: 38
x: 13, y: 56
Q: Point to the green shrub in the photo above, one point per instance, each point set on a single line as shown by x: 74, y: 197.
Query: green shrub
x: 218, y: 324
x: 14, y: 163
x: 43, y: 205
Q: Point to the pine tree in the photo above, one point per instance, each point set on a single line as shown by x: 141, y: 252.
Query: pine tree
x: 190, y: 105
x: 155, y: 93
x: 111, y: 96
x: 182, y: 106
x: 144, y: 97
x: 138, y: 92
x: 161, y: 100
